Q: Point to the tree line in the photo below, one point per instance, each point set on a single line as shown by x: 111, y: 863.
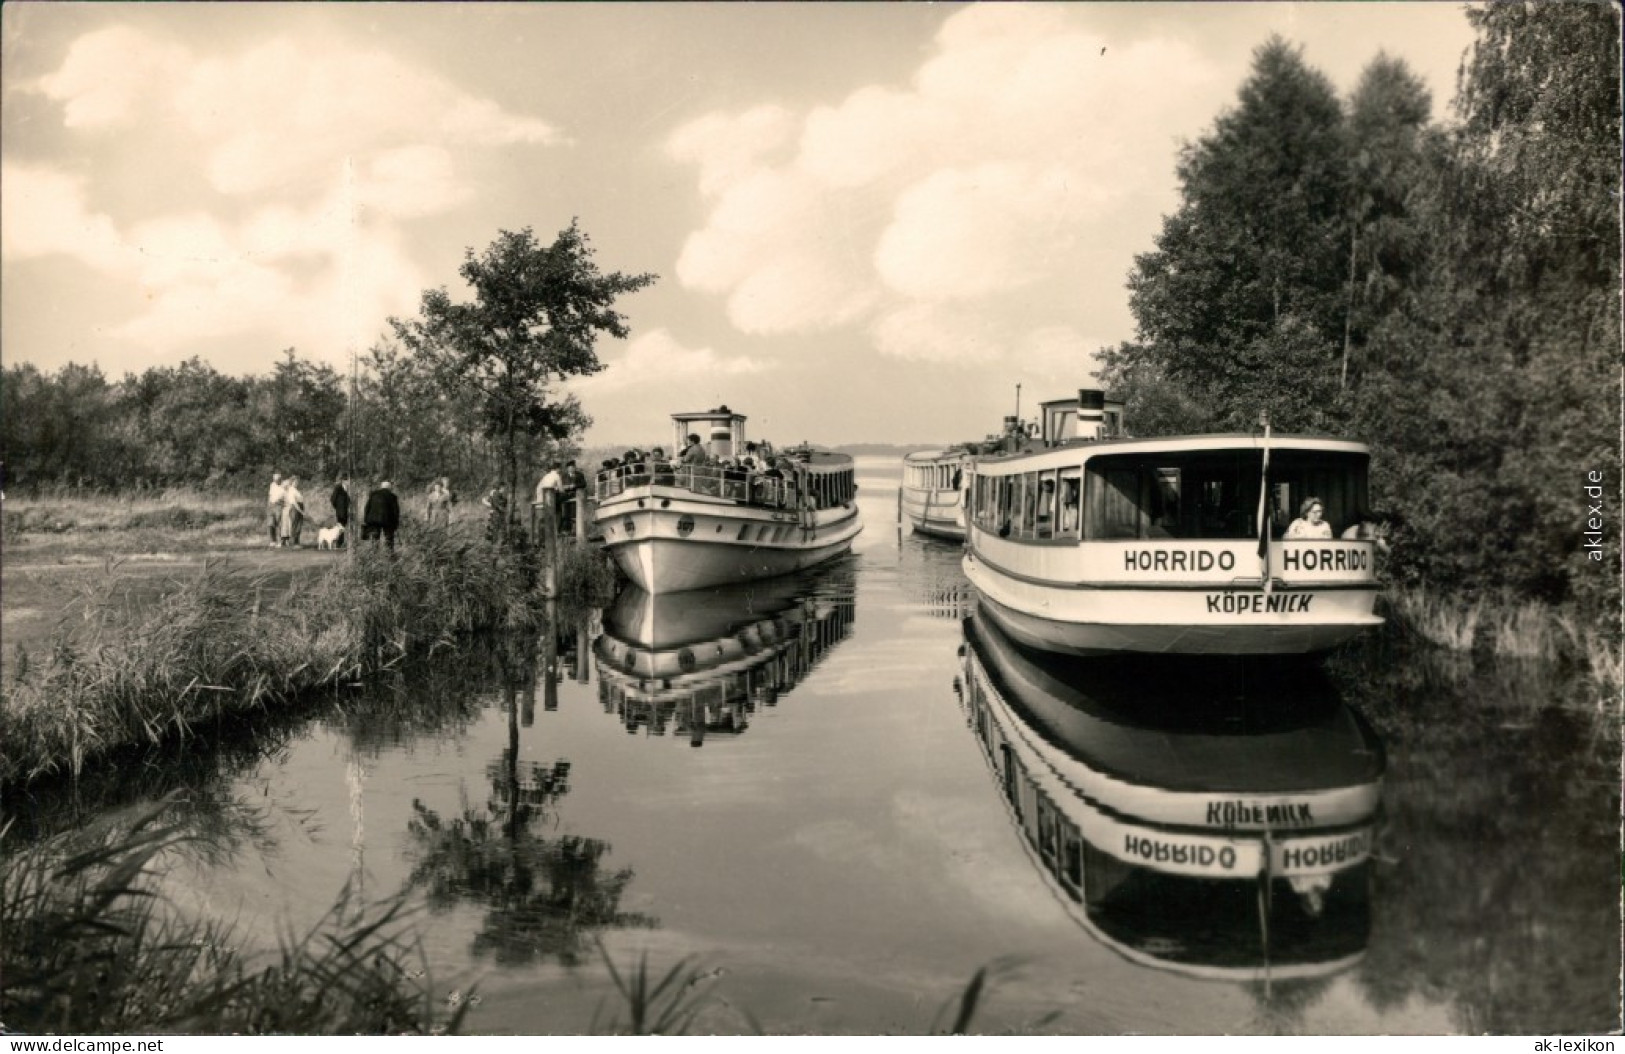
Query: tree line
x: 1448, y: 292
x: 191, y: 425
x: 464, y: 390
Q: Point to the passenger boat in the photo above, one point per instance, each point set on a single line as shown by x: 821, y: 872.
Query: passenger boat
x: 1086, y: 542
x: 1215, y: 841
x: 931, y: 500
x: 705, y: 662
x: 672, y: 527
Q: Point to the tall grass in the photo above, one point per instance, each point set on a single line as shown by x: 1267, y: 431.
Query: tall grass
x: 222, y: 644
x: 91, y: 946
x: 1511, y: 628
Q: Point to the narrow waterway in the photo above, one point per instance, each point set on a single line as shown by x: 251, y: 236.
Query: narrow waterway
x: 801, y: 785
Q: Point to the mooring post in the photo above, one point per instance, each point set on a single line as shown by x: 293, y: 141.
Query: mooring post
x: 550, y: 542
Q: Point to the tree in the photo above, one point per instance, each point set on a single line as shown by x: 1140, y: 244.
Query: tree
x: 1393, y: 152
x: 1493, y: 387
x: 536, y: 314
x: 1252, y: 263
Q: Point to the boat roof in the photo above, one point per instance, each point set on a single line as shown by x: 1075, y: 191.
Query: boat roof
x: 1217, y: 441
x: 954, y: 452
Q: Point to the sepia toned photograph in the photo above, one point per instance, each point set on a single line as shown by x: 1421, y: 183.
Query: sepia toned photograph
x: 811, y: 519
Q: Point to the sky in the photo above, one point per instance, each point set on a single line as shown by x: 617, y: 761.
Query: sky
x: 870, y: 223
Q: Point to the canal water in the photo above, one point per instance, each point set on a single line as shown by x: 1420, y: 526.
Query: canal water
x: 799, y: 788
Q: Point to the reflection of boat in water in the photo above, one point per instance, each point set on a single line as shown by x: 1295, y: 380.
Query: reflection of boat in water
x: 672, y: 526
x: 703, y: 662
x: 1083, y: 542
x: 1224, y: 844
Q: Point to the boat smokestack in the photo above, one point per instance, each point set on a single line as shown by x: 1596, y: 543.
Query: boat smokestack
x: 1091, y: 413
x: 722, y: 440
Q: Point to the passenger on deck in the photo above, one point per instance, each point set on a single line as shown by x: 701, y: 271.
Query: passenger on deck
x: 635, y: 468
x: 660, y: 466
x: 1368, y: 527
x: 1311, y: 521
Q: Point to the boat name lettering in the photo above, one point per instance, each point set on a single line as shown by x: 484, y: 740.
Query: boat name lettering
x: 1177, y: 560
x: 1231, y: 813
x: 1295, y: 558
x: 1343, y: 851
x: 1163, y: 853
x: 1257, y: 603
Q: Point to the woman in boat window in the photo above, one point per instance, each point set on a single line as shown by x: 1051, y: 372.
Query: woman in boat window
x: 1311, y: 521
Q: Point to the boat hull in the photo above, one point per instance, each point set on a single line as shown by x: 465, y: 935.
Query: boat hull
x: 666, y: 541
x: 1227, y: 620
x: 937, y: 513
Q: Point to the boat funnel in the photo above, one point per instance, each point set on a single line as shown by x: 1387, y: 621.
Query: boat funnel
x: 1091, y: 413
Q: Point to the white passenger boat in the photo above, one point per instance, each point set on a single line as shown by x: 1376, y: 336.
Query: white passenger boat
x: 1218, y: 841
x: 672, y: 527
x: 932, y: 497
x: 706, y: 662
x: 1083, y: 543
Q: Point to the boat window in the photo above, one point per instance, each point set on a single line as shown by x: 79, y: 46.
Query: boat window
x: 1214, y: 494
x: 1046, y: 504
x: 1071, y: 857
x: 1070, y: 496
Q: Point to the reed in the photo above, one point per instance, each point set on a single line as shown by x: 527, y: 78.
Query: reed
x: 1441, y: 619
x: 93, y: 946
x: 221, y: 643
x: 663, y: 1006
x: 1515, y: 629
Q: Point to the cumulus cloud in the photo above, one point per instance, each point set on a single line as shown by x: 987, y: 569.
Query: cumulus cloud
x: 319, y: 153
x: 956, y: 217
x: 44, y: 212
x: 657, y: 361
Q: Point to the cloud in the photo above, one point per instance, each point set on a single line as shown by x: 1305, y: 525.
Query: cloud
x: 317, y: 156
x: 957, y: 217
x: 43, y: 212
x: 657, y: 361
x: 109, y: 74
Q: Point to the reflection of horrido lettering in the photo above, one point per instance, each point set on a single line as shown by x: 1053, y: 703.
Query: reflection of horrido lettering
x: 1299, y: 558
x: 1231, y: 813
x: 1156, y: 852
x: 1257, y: 603
x: 1177, y: 560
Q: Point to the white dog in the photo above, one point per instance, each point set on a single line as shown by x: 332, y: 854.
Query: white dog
x: 330, y: 537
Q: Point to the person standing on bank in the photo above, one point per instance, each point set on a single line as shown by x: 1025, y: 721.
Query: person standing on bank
x: 273, y: 507
x: 572, y: 486
x: 293, y: 512
x: 439, y: 506
x: 382, y: 515
x: 340, y: 500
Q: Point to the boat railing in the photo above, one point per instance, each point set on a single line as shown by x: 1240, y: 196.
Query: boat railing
x: 772, y: 490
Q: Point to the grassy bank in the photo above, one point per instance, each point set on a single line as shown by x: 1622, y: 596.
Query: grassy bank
x: 93, y: 947
x: 1507, y: 628
x: 221, y: 644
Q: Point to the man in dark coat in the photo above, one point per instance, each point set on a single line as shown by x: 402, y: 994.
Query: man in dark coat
x: 340, y: 500
x: 382, y: 516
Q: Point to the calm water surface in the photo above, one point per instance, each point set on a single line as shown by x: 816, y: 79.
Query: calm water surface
x: 791, y: 782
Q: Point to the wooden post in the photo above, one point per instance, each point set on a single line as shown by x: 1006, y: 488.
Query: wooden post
x: 550, y: 542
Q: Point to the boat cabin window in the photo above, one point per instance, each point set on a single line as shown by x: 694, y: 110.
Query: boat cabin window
x: 1214, y: 494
